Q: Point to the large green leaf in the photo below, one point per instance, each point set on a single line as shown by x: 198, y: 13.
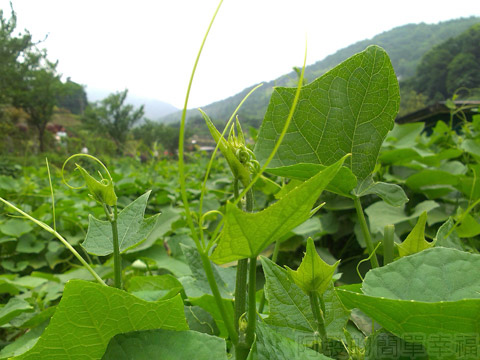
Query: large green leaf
x: 343, y: 183
x: 290, y: 310
x: 428, y: 294
x: 89, y: 315
x: 350, y: 109
x: 165, y: 345
x: 272, y: 345
x: 245, y: 234
x: 133, y: 229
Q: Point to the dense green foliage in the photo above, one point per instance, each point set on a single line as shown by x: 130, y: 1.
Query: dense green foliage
x: 388, y: 215
x: 450, y: 66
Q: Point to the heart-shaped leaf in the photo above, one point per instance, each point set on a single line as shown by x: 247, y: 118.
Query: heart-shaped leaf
x: 350, y: 109
x: 165, y: 344
x: 428, y: 294
x: 133, y: 229
x: 89, y: 315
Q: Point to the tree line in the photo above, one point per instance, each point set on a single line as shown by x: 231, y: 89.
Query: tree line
x: 32, y: 93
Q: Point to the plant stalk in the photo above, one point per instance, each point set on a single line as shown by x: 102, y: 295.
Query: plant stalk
x: 252, y: 301
x: 207, y: 266
x: 366, y: 232
x: 117, y: 258
x: 241, y: 283
x: 388, y: 233
x: 319, y: 319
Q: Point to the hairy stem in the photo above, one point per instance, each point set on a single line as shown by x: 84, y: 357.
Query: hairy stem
x: 366, y: 232
x: 318, y: 315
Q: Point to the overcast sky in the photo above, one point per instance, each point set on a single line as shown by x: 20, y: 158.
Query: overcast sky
x: 150, y: 46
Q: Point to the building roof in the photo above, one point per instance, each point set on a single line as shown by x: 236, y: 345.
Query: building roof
x: 439, y: 111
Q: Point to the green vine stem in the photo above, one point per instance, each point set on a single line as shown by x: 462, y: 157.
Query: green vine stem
x: 366, y: 232
x: 59, y: 237
x: 388, y: 246
x: 241, y: 286
x: 207, y: 266
x: 252, y: 301
x: 319, y: 319
x: 117, y: 258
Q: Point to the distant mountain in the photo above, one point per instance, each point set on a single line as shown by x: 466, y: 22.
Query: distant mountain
x: 405, y: 45
x: 154, y: 109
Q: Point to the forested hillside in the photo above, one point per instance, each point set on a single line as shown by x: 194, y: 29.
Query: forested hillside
x: 405, y: 45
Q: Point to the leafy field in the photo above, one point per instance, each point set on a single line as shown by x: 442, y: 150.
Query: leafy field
x: 336, y: 235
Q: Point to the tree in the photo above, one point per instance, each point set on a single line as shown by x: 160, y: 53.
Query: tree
x: 14, y: 56
x: 113, y: 117
x: 450, y: 65
x: 37, y: 96
x: 73, y: 97
x: 28, y: 80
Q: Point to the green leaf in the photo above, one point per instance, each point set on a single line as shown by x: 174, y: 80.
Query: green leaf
x: 343, y: 182
x: 89, y: 315
x: 224, y: 277
x: 30, y: 244
x: 427, y: 293
x: 469, y: 227
x: 380, y: 214
x: 165, y: 345
x: 154, y: 288
x: 245, y: 235
x: 133, y: 229
x: 398, y: 156
x: 168, y: 217
x: 432, y: 183
x: 24, y: 342
x: 448, y: 239
x: 392, y: 194
x: 471, y: 146
x: 290, y: 309
x: 161, y: 259
x: 207, y: 303
x: 101, y: 191
x: 270, y: 344
x: 415, y: 241
x: 404, y: 136
x: 14, y: 307
x: 200, y: 320
x: 15, y: 227
x: 313, y: 274
x: 350, y: 109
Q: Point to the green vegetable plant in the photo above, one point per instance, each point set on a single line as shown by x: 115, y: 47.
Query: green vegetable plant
x: 205, y: 255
